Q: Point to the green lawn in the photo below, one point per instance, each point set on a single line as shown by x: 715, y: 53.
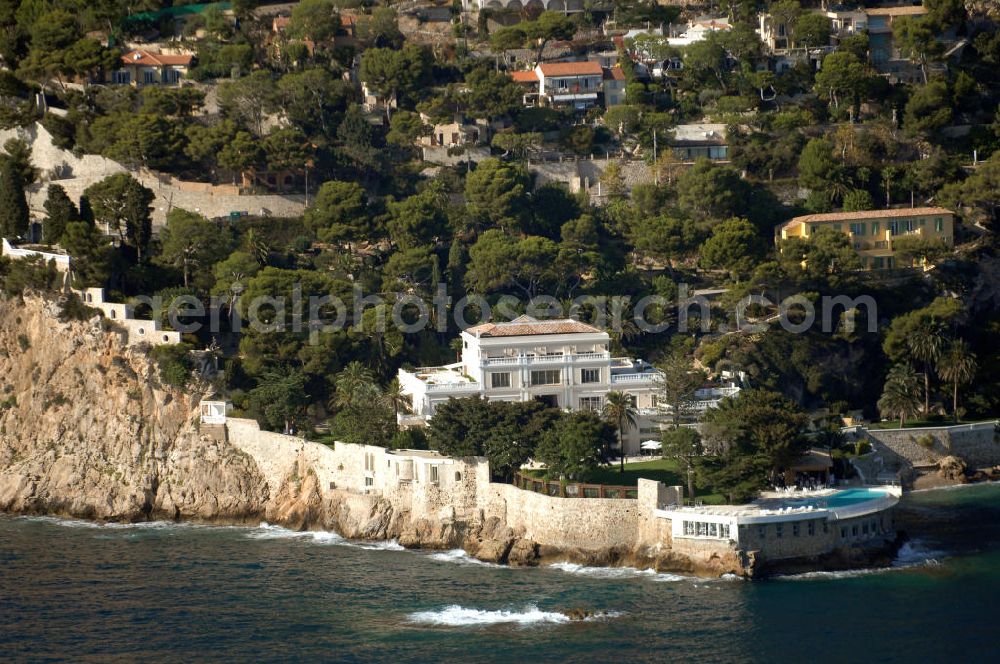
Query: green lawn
x: 661, y: 470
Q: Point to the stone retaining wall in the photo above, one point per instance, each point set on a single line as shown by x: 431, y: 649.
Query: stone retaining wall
x: 76, y: 173
x: 462, y: 491
x: 978, y: 444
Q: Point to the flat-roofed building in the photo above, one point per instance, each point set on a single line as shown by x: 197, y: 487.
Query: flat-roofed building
x: 563, y: 363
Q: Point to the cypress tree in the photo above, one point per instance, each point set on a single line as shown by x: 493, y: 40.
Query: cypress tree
x: 59, y: 211
x: 13, y: 204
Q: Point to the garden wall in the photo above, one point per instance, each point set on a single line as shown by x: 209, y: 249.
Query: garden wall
x: 459, y: 489
x: 977, y: 444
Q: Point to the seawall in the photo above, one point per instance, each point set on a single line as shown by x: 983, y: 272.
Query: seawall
x: 88, y: 430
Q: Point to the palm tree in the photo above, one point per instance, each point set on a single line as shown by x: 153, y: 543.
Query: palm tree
x: 618, y: 409
x: 395, y: 398
x: 925, y: 345
x: 957, y: 365
x: 889, y: 174
x: 355, y: 386
x: 901, y: 393
x: 257, y: 247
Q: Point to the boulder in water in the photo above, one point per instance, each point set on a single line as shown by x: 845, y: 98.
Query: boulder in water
x: 578, y: 614
x: 952, y: 468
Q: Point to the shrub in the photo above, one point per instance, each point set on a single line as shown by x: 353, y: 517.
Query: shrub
x: 409, y: 439
x: 73, y: 308
x: 926, y: 441
x: 174, y: 361
x: 23, y: 342
x: 31, y: 273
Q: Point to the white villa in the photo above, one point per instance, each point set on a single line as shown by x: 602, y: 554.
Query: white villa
x: 564, y: 363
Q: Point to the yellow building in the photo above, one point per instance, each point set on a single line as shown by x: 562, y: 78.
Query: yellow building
x: 872, y: 232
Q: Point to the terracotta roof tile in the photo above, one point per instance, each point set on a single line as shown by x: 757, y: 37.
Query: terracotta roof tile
x: 524, y: 76
x: 867, y: 214
x: 523, y: 326
x: 896, y: 11
x: 571, y: 69
x: 615, y: 73
x: 141, y: 57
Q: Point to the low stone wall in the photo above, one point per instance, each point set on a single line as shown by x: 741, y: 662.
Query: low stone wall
x: 61, y: 261
x: 978, y: 444
x: 136, y: 330
x: 405, y: 479
x: 462, y: 491
x: 573, y: 523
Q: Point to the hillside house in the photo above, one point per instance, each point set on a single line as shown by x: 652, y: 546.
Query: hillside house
x: 576, y: 84
x: 872, y: 232
x: 140, y: 67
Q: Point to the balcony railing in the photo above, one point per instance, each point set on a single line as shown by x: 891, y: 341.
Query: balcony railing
x: 635, y: 378
x: 526, y: 360
x: 574, y: 489
x: 453, y: 387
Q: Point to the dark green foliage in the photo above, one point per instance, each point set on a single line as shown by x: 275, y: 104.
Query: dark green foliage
x: 409, y: 439
x: 30, y: 274
x: 59, y: 211
x: 13, y: 204
x: 73, y: 308
x: 174, y: 361
x: 577, y: 443
x: 279, y: 401
x: 122, y: 205
x: 756, y: 432
x: 506, y: 433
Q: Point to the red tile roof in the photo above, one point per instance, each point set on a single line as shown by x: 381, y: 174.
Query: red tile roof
x: 870, y: 214
x: 524, y: 76
x: 615, y: 73
x: 147, y: 59
x: 524, y: 326
x: 896, y: 11
x: 571, y: 69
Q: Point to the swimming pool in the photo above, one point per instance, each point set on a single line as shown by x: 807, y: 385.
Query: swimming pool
x: 843, y: 498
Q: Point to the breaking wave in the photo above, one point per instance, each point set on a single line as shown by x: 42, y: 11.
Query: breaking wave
x: 267, y: 531
x: 460, y: 616
x: 108, y: 525
x: 617, y: 572
x: 911, y: 555
x: 461, y: 557
x: 915, y: 553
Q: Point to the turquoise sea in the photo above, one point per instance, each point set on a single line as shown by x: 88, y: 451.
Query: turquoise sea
x: 159, y: 592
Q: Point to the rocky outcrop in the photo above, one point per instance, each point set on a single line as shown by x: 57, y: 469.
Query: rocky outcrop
x: 88, y: 430
x: 952, y: 468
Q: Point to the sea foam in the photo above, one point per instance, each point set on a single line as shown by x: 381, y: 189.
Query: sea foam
x: 267, y: 531
x: 461, y: 557
x: 912, y: 554
x: 460, y: 616
x: 617, y: 572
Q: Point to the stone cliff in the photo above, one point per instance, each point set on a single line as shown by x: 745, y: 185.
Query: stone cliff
x: 88, y: 430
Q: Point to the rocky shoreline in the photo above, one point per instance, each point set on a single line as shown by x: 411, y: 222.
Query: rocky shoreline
x: 88, y: 431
